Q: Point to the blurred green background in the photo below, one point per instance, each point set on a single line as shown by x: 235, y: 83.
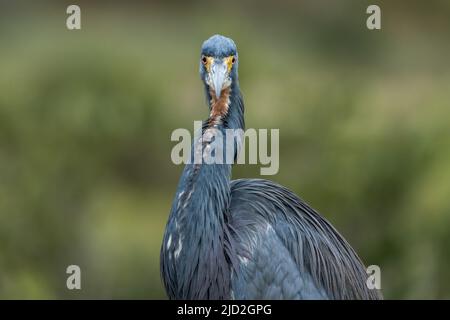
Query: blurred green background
x: 86, y: 117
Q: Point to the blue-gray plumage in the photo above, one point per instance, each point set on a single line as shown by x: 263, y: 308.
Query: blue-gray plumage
x: 248, y: 238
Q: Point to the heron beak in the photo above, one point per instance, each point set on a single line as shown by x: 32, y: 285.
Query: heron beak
x: 219, y: 74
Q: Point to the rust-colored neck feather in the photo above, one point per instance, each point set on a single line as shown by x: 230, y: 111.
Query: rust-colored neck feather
x: 219, y: 106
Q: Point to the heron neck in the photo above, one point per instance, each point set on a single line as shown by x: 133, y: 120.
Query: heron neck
x: 227, y: 111
x: 197, y: 241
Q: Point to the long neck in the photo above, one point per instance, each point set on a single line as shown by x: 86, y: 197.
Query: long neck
x: 195, y: 249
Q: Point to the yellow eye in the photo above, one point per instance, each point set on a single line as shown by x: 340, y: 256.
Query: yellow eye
x: 207, y: 61
x: 230, y: 61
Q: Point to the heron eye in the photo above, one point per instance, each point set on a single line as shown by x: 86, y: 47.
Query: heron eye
x: 204, y: 60
x: 233, y: 60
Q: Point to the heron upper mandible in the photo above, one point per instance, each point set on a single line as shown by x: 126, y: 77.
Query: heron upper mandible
x: 248, y: 238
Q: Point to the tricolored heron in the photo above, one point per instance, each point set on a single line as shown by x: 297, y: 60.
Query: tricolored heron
x: 248, y: 238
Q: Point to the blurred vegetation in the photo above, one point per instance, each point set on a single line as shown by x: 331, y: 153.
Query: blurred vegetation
x: 86, y: 118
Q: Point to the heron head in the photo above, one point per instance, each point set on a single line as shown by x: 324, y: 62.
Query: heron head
x: 218, y: 64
